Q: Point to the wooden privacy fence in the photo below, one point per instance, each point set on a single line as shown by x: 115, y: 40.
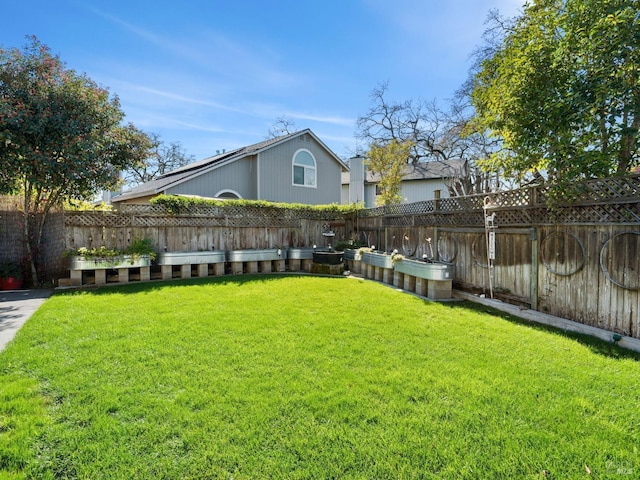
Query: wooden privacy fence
x: 580, y: 261
x: 202, y: 227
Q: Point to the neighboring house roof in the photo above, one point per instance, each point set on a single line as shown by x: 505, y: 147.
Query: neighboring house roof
x: 420, y: 171
x: 186, y: 172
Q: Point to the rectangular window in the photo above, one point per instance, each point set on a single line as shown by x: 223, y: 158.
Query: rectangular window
x: 298, y: 175
x: 309, y: 177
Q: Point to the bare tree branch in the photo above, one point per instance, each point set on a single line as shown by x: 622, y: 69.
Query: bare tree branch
x: 283, y: 126
x: 163, y: 158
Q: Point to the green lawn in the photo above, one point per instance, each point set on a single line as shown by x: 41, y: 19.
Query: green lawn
x: 304, y: 377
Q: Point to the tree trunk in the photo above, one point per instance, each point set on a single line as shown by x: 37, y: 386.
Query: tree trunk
x: 26, y: 232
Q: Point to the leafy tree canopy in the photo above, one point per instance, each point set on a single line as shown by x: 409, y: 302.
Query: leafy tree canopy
x: 61, y: 136
x: 59, y: 131
x: 562, y: 91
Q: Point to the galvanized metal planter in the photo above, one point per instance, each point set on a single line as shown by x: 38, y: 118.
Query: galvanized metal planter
x: 121, y: 261
x: 352, y: 254
x: 191, y: 258
x: 377, y: 259
x: 300, y: 253
x: 428, y: 271
x: 257, y: 255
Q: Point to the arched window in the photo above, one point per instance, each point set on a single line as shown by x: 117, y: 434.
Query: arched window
x: 304, y: 169
x: 227, y: 193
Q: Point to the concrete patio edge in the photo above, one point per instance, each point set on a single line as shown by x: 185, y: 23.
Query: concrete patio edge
x: 16, y: 307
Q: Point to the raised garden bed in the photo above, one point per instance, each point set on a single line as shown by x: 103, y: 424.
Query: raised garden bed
x: 377, y: 259
x: 257, y: 260
x: 425, y: 270
x: 86, y: 270
x: 191, y: 258
x: 256, y: 255
x: 433, y: 280
x: 352, y: 254
x: 300, y: 253
x: 123, y: 261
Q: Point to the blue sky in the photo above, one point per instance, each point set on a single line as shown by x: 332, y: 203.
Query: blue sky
x: 217, y: 74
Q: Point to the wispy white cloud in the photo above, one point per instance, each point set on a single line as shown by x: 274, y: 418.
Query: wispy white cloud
x: 184, y: 99
x: 154, y: 120
x: 243, y: 64
x: 334, y: 120
x: 163, y: 41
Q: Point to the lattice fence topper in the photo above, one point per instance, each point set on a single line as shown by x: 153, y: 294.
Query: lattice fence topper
x: 199, y: 216
x: 398, y: 221
x: 612, y: 200
x: 226, y: 211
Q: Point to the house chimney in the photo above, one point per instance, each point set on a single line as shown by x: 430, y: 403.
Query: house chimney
x: 356, y: 179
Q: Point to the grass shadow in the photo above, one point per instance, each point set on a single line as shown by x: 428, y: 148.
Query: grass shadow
x: 596, y: 345
x: 137, y: 287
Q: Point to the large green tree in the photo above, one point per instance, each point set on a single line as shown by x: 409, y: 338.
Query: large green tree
x: 562, y: 91
x: 61, y: 137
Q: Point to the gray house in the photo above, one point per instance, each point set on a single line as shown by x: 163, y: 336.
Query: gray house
x: 294, y: 168
x: 420, y: 181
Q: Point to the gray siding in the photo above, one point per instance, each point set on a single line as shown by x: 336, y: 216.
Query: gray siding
x: 275, y: 174
x: 239, y: 176
x: 268, y: 176
x: 370, y: 195
x: 344, y: 195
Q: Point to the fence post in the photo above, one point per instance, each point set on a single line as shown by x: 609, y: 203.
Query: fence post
x: 534, y: 268
x: 434, y: 245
